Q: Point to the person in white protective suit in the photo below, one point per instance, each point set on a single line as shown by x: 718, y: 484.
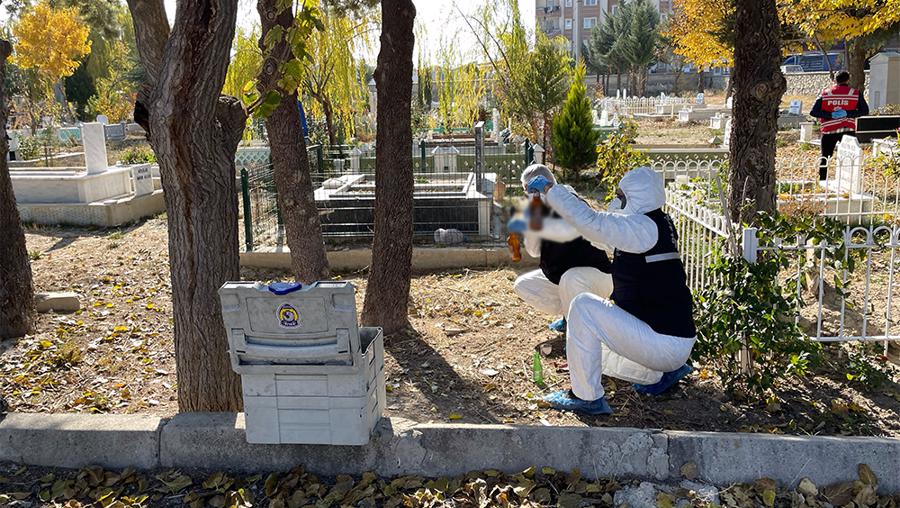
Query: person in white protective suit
x: 569, y: 264
x: 647, y: 327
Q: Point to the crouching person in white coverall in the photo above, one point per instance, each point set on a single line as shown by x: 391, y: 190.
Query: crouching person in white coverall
x: 648, y: 323
x: 569, y: 264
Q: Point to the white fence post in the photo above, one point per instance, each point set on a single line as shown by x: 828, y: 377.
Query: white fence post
x: 749, y: 248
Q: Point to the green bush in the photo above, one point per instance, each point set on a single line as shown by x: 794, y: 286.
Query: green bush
x: 573, y: 137
x: 615, y: 157
x: 750, y: 307
x: 138, y: 155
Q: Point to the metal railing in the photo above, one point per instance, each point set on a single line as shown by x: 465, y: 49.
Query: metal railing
x: 835, y: 304
x: 630, y: 106
x: 702, y: 231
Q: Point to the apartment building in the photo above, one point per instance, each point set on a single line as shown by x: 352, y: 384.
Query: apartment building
x: 574, y: 19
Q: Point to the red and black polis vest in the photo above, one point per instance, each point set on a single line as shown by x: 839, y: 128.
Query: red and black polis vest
x: 835, y: 98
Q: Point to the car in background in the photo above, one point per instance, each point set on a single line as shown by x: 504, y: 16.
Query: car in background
x: 815, y: 62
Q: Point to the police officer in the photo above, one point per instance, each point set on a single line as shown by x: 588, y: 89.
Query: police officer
x: 837, y: 110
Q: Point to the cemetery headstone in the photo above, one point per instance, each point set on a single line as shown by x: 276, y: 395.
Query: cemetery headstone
x: 700, y: 99
x: 495, y: 123
x: 93, y: 138
x: 445, y: 159
x: 103, y: 119
x: 806, y: 131
x: 726, y: 137
x: 849, y: 165
x: 143, y: 180
x: 796, y: 107
x: 729, y: 103
x: 479, y: 154
x: 884, y: 87
x: 538, y: 154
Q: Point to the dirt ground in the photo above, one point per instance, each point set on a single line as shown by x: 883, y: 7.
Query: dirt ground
x: 468, y: 357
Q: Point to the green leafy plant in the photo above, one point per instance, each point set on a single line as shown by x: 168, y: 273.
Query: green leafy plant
x: 138, y: 155
x: 615, y: 157
x: 750, y: 308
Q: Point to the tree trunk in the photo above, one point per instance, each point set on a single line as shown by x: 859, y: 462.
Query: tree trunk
x: 194, y: 133
x: 328, y: 111
x: 729, y: 87
x: 290, y: 161
x: 701, y: 88
x: 857, y: 64
x: 388, y: 288
x: 759, y: 85
x: 16, y: 292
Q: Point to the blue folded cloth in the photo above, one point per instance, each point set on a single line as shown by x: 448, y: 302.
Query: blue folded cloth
x: 559, y: 325
x: 837, y: 115
x: 565, y: 400
x: 669, y: 380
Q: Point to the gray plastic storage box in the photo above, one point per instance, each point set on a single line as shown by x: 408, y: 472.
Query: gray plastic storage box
x: 310, y: 375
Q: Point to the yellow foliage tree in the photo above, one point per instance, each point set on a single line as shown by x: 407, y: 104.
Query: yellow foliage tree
x: 698, y: 31
x: 51, y: 41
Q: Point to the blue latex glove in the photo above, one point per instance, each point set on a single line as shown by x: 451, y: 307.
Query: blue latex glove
x: 517, y: 225
x: 837, y: 115
x: 537, y: 184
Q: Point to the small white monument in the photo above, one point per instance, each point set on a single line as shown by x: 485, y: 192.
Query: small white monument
x: 103, y: 119
x: 495, y: 123
x: 538, y: 154
x: 729, y: 103
x: 726, y: 137
x: 796, y: 107
x: 143, y: 180
x: 806, y: 132
x: 93, y: 137
x: 848, y: 165
x: 355, y: 155
x: 701, y: 97
x: 445, y: 159
x: 884, y: 86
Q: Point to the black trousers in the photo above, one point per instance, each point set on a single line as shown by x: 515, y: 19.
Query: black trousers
x: 829, y: 141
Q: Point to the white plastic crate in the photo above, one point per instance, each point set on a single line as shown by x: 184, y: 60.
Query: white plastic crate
x: 309, y: 374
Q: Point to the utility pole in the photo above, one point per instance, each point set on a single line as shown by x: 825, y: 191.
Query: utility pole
x: 576, y: 28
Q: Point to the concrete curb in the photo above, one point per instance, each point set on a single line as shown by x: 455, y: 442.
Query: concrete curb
x: 216, y: 441
x: 424, y: 259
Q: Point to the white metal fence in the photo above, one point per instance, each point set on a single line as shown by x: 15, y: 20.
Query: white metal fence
x: 630, y: 106
x: 835, y: 303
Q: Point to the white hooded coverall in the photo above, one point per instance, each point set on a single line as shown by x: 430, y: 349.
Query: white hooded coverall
x: 536, y: 290
x: 601, y: 336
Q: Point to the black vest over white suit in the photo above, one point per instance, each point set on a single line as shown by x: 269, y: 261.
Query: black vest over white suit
x: 557, y: 258
x: 652, y: 286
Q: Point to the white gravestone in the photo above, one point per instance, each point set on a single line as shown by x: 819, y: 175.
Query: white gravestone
x: 495, y: 122
x: 538, y: 154
x: 604, y: 118
x: 445, y: 159
x: 684, y: 116
x: 806, y: 132
x: 355, y: 154
x: 796, y: 107
x: 143, y: 180
x: 103, y: 119
x: 729, y: 103
x: 849, y: 165
x: 93, y: 137
x: 726, y: 137
x: 700, y: 99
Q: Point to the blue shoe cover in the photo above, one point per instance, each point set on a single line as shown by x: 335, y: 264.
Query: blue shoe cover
x: 669, y: 379
x: 564, y: 400
x: 559, y: 325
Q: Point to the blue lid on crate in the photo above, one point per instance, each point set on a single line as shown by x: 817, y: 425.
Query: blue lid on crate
x: 283, y: 288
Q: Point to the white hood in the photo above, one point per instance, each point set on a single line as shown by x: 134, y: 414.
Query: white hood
x: 644, y: 190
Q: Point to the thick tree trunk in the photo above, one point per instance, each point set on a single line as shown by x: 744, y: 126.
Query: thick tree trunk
x: 759, y: 85
x: 16, y: 292
x: 388, y: 288
x: 194, y: 133
x: 290, y: 162
x: 857, y: 64
x: 701, y: 84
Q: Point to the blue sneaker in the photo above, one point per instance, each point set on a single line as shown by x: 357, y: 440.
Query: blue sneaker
x: 559, y: 325
x: 669, y: 380
x: 565, y: 400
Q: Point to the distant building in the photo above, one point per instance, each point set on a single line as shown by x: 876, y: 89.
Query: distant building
x: 574, y: 19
